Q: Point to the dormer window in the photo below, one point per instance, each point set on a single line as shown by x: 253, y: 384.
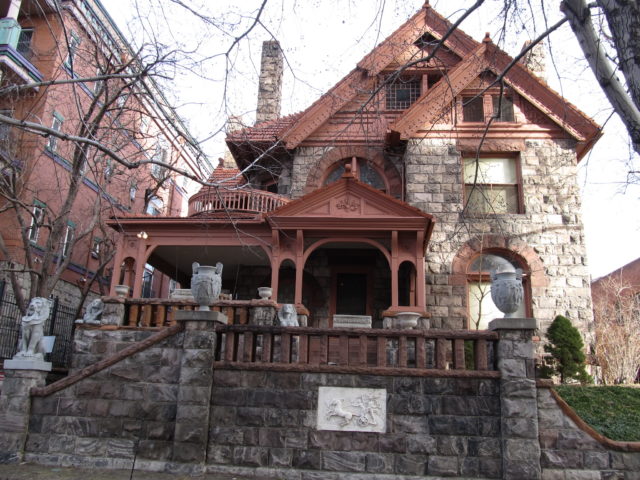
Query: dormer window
x: 480, y: 107
x: 401, y: 92
x: 503, y: 108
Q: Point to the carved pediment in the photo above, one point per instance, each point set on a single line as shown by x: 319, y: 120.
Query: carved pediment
x: 347, y: 198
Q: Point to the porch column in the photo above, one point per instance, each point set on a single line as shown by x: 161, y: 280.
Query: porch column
x: 299, y: 267
x: 117, y: 266
x: 139, y: 271
x: 394, y: 268
x: 275, y: 263
x: 421, y: 300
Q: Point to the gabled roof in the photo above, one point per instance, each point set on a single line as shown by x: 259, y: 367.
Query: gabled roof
x: 349, y: 204
x: 476, y: 58
x: 489, y: 57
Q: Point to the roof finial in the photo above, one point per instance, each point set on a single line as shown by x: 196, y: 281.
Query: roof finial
x: 487, y: 38
x: 426, y: 4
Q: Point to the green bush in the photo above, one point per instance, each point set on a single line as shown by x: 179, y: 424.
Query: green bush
x: 565, y: 346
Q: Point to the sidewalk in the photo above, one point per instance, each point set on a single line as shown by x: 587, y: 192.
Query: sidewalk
x: 27, y: 471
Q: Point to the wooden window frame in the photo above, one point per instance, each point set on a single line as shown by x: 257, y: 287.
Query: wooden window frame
x: 519, y: 193
x: 487, y: 106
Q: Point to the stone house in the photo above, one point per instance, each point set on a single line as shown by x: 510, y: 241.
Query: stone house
x: 70, y: 41
x: 399, y: 189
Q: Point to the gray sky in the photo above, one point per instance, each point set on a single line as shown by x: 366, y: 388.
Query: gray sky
x: 323, y: 40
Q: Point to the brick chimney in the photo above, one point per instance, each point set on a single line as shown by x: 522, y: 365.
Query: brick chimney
x: 270, y: 87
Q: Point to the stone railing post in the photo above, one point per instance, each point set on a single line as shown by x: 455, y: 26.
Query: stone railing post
x: 519, y: 409
x: 15, y: 409
x: 191, y: 432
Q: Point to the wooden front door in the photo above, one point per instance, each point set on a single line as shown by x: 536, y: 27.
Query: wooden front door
x: 351, y: 293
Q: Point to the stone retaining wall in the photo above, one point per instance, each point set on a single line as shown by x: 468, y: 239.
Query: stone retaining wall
x: 129, y: 407
x: 167, y: 408
x: 569, y: 453
x: 435, y: 426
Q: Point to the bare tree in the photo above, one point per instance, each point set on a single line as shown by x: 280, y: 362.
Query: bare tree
x: 79, y: 151
x: 617, y: 315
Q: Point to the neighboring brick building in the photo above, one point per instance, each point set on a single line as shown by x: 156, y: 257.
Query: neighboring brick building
x: 68, y: 41
x: 626, y: 277
x: 398, y: 190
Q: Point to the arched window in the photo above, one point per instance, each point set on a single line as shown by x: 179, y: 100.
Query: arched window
x: 366, y: 172
x: 481, y: 309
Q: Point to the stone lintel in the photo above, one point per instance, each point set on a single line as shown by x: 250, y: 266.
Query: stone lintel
x: 200, y: 316
x: 513, y: 324
x: 27, y: 364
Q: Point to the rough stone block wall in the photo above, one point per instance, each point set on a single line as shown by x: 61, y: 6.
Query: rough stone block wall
x: 551, y: 225
x: 265, y: 423
x: 569, y: 453
x: 128, y: 408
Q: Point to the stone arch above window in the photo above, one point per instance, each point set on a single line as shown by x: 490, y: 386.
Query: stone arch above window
x: 473, y: 264
x: 375, y: 163
x: 512, y: 248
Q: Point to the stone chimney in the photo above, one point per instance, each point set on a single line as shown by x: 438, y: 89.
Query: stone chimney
x: 534, y: 59
x: 270, y: 88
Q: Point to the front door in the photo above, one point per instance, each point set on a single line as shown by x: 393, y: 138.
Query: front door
x: 351, y: 293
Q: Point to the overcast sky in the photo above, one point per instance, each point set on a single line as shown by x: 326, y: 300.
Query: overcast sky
x: 324, y: 39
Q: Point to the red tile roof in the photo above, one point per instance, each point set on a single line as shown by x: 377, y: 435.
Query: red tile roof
x: 228, y: 177
x: 268, y: 131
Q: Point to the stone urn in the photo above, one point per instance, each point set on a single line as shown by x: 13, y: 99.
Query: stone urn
x: 206, y: 284
x: 265, y: 293
x: 122, y: 291
x: 506, y: 291
x: 407, y: 320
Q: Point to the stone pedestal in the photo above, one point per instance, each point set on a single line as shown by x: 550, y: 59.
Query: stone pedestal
x: 352, y: 321
x: 519, y: 408
x: 113, y: 312
x: 262, y: 315
x: 15, y: 409
x: 196, y: 380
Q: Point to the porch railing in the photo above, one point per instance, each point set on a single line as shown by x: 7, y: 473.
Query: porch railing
x: 373, y: 351
x: 252, y: 201
x: 158, y: 312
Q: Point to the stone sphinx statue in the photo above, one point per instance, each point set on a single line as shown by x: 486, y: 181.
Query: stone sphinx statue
x: 32, y: 329
x: 288, y: 316
x: 93, y: 313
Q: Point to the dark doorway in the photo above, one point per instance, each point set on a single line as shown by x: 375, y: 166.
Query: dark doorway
x: 351, y: 293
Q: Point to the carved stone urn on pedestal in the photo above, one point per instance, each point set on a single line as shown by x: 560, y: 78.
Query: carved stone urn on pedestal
x: 507, y: 291
x: 265, y: 292
x: 206, y: 284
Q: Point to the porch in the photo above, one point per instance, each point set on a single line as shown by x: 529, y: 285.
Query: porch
x: 345, y: 248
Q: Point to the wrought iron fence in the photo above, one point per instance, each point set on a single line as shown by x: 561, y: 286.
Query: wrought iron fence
x: 59, y: 323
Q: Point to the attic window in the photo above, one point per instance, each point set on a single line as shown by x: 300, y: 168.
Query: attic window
x: 472, y: 109
x: 479, y: 108
x: 402, y: 92
x: 505, y: 106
